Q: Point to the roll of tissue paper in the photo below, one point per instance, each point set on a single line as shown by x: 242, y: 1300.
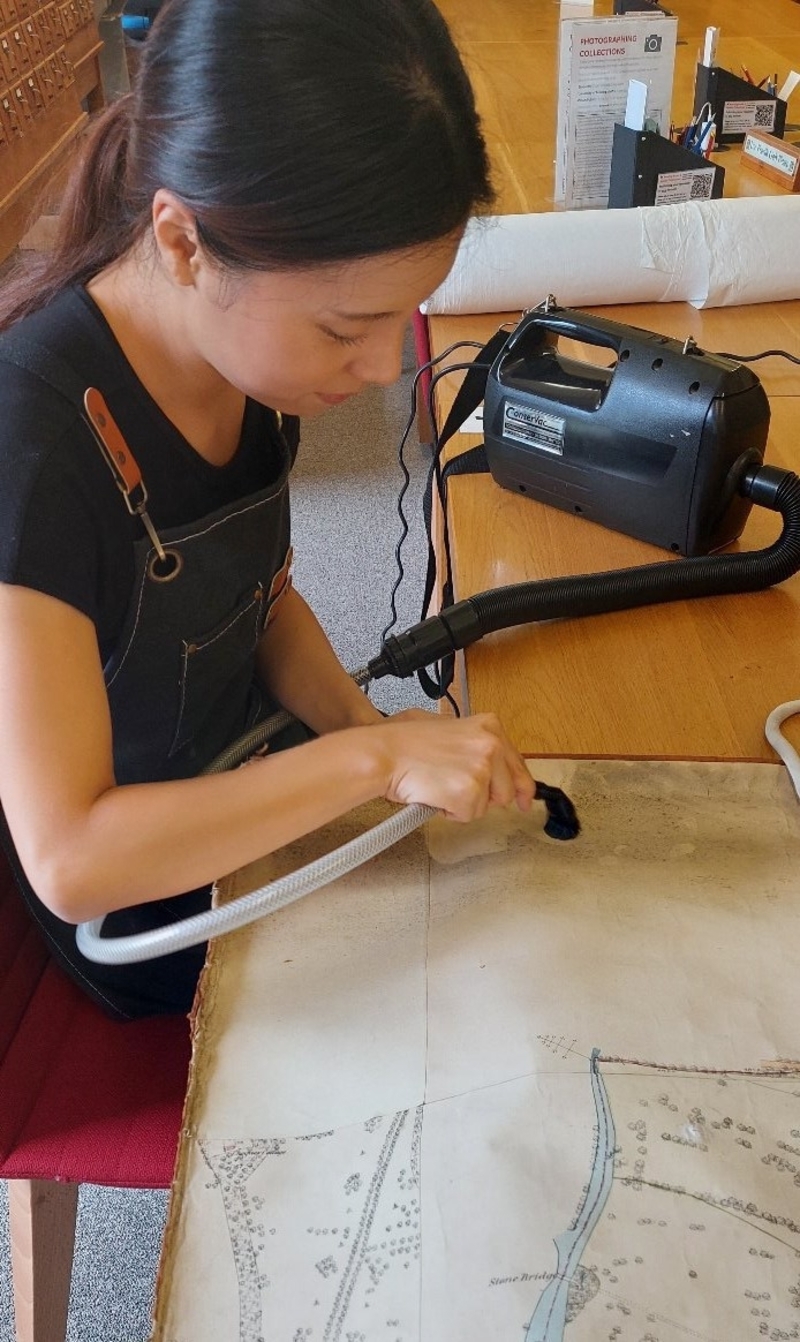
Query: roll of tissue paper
x: 709, y: 253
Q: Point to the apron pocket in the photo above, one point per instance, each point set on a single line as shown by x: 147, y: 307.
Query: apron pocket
x: 218, y: 663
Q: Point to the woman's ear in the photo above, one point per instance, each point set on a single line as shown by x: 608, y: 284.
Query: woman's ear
x: 175, y: 233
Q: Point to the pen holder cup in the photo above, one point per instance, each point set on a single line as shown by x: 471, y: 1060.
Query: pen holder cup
x: 648, y: 169
x: 737, y: 105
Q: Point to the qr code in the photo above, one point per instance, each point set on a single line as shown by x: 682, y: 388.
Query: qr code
x: 764, y: 115
x: 701, y: 186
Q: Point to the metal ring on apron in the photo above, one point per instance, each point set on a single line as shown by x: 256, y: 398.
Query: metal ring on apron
x: 161, y: 572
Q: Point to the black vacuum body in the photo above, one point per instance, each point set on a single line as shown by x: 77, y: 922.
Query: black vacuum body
x: 653, y: 446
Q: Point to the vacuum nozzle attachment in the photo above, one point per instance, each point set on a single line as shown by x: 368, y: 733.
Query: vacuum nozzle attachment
x: 562, y: 818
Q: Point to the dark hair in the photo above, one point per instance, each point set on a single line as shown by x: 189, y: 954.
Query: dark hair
x: 298, y: 132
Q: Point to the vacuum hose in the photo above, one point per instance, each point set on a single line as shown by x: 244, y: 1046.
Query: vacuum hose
x: 458, y: 626
x: 562, y: 823
x: 201, y: 927
x: 454, y: 628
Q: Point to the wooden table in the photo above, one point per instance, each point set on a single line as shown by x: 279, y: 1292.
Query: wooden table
x: 687, y: 680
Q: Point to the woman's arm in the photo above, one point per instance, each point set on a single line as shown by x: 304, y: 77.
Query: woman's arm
x: 299, y: 667
x: 89, y: 846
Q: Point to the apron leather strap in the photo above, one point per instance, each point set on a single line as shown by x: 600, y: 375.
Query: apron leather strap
x: 51, y: 369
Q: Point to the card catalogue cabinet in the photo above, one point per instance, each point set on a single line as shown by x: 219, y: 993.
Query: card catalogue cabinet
x: 49, y: 83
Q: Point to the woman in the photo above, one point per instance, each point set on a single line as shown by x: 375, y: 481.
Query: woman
x: 247, y: 238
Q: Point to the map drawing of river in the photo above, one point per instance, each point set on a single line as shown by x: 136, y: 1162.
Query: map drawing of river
x: 689, y: 1224
x: 550, y: 1316
x: 687, y: 1228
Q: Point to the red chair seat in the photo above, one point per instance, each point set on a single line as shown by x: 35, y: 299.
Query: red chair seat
x: 83, y: 1098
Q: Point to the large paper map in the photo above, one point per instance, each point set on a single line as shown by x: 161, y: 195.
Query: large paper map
x: 493, y: 1086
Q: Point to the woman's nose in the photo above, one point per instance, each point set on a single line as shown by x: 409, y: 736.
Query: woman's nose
x: 381, y: 360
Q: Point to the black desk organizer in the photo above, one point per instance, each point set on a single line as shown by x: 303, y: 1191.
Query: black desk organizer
x: 717, y: 86
x: 640, y: 157
x: 639, y: 7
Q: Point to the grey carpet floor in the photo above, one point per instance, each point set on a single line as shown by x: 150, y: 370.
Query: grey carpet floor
x: 345, y: 528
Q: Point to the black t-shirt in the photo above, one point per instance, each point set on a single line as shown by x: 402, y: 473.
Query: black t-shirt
x: 65, y: 530
x: 64, y: 526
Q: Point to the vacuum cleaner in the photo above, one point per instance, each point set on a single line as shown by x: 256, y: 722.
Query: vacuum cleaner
x: 664, y: 442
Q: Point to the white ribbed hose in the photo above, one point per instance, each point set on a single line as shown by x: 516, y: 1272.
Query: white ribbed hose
x: 776, y: 738
x: 269, y: 898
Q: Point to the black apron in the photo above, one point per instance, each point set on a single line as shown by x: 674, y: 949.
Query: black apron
x: 181, y: 687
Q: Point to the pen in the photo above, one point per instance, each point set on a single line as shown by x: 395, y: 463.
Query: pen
x: 690, y: 134
x: 698, y: 141
x: 747, y: 74
x: 706, y: 142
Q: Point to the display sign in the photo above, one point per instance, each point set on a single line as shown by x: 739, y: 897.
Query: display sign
x: 773, y: 158
x: 598, y: 57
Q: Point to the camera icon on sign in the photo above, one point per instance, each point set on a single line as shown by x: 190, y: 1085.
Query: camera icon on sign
x: 652, y: 42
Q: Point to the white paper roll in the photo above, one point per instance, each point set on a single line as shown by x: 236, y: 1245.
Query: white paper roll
x: 708, y: 253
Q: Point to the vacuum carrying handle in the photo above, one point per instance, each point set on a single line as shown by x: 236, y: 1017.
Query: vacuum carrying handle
x: 572, y: 325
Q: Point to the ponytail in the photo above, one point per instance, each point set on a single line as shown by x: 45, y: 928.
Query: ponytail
x: 95, y: 223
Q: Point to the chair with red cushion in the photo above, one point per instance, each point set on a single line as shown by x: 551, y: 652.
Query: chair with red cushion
x: 83, y: 1099
x: 422, y: 350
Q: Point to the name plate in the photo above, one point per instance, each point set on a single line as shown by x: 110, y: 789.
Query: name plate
x: 773, y: 158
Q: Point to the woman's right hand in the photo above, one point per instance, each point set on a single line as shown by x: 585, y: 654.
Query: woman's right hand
x: 460, y: 766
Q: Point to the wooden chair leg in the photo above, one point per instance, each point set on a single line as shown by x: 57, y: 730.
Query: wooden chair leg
x: 42, y: 1222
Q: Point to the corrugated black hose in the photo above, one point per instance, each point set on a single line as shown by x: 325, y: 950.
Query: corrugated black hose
x: 459, y: 625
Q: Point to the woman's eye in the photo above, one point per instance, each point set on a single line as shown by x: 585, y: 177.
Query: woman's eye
x: 342, y: 339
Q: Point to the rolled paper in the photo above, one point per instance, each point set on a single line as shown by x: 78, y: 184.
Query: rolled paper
x: 710, y: 253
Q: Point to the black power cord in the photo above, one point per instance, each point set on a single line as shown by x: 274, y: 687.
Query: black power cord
x: 753, y: 358
x: 423, y: 368
x: 434, y: 688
